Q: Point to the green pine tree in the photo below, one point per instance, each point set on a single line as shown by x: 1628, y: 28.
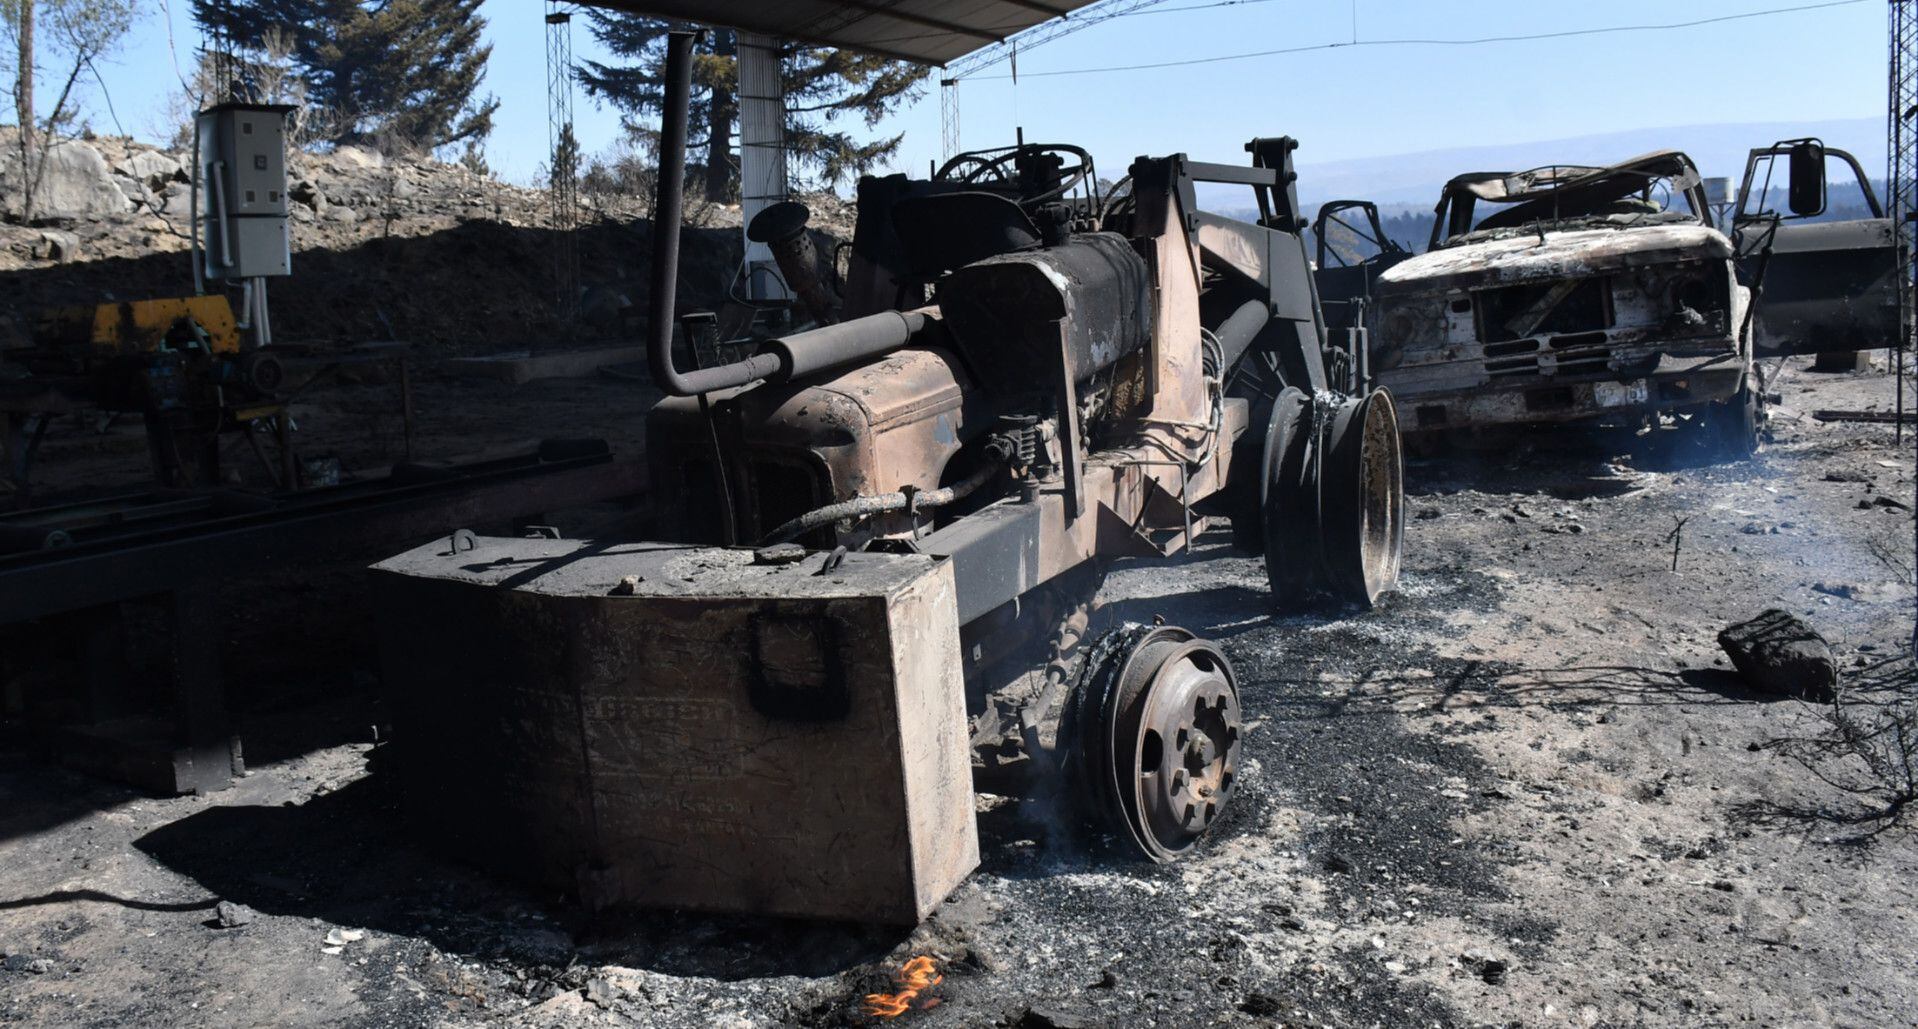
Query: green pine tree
x: 402, y: 74
x: 823, y: 87
x: 565, y: 157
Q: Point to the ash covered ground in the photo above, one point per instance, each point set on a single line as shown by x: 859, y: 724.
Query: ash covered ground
x: 1526, y: 790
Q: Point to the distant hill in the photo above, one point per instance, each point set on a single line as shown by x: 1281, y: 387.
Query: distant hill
x: 1415, y: 178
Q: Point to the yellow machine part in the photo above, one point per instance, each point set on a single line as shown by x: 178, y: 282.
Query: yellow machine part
x: 132, y: 326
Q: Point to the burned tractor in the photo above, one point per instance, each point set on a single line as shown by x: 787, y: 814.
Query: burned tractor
x: 877, y: 541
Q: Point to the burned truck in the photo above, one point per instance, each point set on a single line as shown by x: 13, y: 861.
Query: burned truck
x: 1568, y: 293
x: 1613, y: 295
x: 875, y: 545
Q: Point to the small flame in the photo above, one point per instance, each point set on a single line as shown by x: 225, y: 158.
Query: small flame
x: 917, y: 976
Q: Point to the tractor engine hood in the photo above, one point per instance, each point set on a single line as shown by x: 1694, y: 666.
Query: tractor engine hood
x: 1564, y: 254
x: 1012, y: 314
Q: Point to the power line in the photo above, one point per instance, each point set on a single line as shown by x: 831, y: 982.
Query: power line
x: 1038, y: 35
x: 1437, y: 42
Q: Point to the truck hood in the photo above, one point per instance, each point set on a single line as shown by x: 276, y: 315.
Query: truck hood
x: 1567, y: 254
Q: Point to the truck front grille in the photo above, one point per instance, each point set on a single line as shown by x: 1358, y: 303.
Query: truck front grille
x: 1562, y: 337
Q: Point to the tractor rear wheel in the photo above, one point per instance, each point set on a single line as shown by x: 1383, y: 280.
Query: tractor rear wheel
x: 1362, y: 499
x: 1332, y: 498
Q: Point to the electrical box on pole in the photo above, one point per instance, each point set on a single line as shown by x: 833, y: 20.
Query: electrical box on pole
x: 242, y: 173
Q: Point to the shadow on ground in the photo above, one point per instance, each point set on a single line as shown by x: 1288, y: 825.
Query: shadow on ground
x: 345, y: 857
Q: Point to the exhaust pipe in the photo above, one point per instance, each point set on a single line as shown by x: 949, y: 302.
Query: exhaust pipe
x: 782, y: 227
x: 801, y: 354
x: 668, y: 210
x: 830, y: 346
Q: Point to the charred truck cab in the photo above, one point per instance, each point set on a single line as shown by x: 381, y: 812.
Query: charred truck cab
x: 878, y: 540
x: 1584, y: 294
x: 1827, y: 255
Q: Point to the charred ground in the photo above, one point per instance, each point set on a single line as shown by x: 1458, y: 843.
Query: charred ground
x: 1523, y: 790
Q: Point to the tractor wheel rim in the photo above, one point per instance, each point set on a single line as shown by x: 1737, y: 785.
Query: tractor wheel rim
x: 1362, y: 515
x: 1381, y: 498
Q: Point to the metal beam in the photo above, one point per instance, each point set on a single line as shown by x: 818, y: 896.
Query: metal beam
x: 825, y: 24
x: 325, y: 524
x: 920, y: 19
x: 1035, y: 5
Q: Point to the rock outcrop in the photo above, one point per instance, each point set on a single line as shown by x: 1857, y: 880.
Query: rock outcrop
x: 74, y: 183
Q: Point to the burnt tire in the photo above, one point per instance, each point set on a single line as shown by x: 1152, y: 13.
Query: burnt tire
x: 1332, y: 499
x: 1730, y: 428
x: 1151, y: 737
x: 1288, y: 502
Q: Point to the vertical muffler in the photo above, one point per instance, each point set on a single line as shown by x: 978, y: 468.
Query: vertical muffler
x: 782, y: 228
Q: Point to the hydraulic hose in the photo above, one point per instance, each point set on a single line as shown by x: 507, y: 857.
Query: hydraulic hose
x: 881, y: 503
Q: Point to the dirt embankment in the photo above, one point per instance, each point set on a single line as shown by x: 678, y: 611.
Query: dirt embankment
x: 384, y: 249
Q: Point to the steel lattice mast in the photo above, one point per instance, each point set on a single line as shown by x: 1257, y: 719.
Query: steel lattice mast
x: 1901, y: 115
x: 562, y: 149
x: 1901, y: 188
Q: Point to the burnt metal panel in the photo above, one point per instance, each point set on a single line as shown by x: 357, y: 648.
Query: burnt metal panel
x: 717, y: 734
x: 1828, y: 286
x: 791, y: 447
x: 994, y: 554
x: 1273, y: 264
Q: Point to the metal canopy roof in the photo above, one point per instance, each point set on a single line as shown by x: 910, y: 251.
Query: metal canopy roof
x: 922, y: 31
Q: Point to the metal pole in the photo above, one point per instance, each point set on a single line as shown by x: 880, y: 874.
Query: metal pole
x: 762, y: 154
x: 406, y: 406
x: 948, y: 118
x: 1901, y: 107
x: 670, y: 202
x: 1901, y: 188
x: 193, y: 210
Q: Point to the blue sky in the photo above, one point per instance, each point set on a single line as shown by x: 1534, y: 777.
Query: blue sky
x: 1342, y: 103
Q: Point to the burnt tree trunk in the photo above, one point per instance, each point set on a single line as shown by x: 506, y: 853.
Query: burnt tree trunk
x: 23, y: 107
x: 23, y: 89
